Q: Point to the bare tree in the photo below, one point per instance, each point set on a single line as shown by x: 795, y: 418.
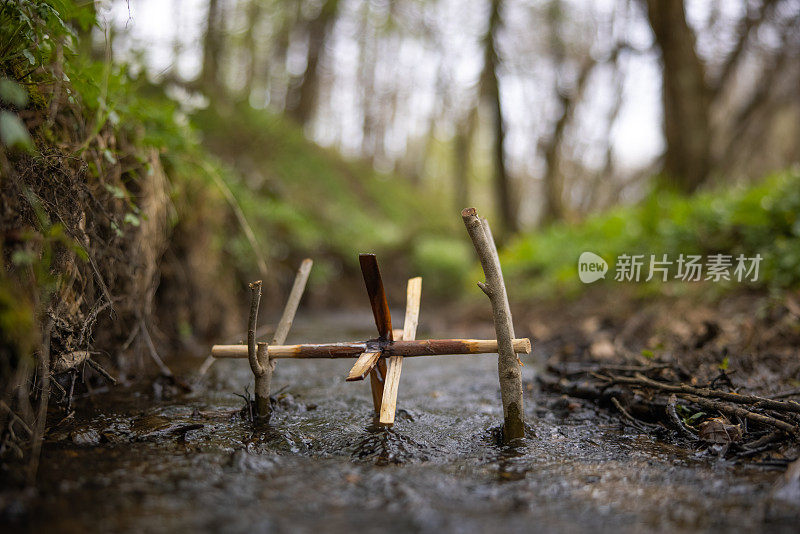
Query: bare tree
x: 490, y: 90
x: 212, y: 50
x: 707, y: 108
x: 685, y: 94
x: 303, y: 103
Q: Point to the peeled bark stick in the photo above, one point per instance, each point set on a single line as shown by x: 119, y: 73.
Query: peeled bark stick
x: 395, y: 365
x: 495, y: 289
x: 422, y: 347
x: 289, y: 311
x: 258, y: 357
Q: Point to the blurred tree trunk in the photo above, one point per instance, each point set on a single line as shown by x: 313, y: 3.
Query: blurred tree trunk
x: 490, y: 89
x: 212, y: 50
x: 686, y: 97
x: 253, y: 16
x: 462, y: 151
x: 554, y: 209
x: 305, y: 98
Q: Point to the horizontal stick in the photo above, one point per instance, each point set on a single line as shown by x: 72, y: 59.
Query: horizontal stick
x: 425, y: 347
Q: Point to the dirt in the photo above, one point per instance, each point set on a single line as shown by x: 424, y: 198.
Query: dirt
x: 140, y: 458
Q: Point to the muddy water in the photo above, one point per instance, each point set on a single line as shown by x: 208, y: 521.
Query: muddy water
x: 191, y: 463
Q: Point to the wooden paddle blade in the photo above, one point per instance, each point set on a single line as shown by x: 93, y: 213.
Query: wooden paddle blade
x: 395, y: 366
x: 363, y: 365
x: 377, y: 296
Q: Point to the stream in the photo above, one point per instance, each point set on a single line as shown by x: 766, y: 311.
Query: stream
x: 147, y: 459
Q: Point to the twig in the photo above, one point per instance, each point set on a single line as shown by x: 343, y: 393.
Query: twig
x: 742, y: 412
x: 240, y: 217
x: 673, y: 415
x: 755, y: 400
x: 44, y: 399
x: 99, y: 368
x: 152, y: 349
x: 15, y: 417
x: 258, y: 356
x: 495, y: 289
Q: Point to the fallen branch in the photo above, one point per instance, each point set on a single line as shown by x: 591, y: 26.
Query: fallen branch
x: 759, y: 402
x: 743, y: 412
x: 673, y: 415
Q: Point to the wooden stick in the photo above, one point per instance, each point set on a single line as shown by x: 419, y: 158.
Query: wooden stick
x: 363, y: 365
x: 264, y: 382
x: 424, y: 347
x: 258, y: 356
x: 383, y: 320
x: 495, y: 289
x: 377, y: 377
x: 290, y: 309
x: 392, y: 383
x: 377, y: 295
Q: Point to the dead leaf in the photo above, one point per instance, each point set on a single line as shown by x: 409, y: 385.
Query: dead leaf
x: 720, y: 430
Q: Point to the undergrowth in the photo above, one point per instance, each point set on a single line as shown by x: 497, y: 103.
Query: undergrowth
x: 757, y: 219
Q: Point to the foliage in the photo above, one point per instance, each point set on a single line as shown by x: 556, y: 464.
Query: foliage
x: 761, y: 219
x: 302, y: 199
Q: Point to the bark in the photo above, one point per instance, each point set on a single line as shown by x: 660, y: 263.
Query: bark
x: 507, y: 362
x: 686, y: 97
x: 490, y: 87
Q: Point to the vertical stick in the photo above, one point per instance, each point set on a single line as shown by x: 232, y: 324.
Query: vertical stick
x: 390, y: 386
x: 383, y: 320
x: 495, y: 289
x: 258, y: 358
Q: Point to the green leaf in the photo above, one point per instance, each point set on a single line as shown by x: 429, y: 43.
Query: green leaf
x: 648, y: 354
x: 13, y: 133
x: 723, y: 366
x: 694, y: 418
x: 13, y: 93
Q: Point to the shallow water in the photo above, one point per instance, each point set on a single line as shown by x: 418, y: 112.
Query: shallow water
x: 192, y: 462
